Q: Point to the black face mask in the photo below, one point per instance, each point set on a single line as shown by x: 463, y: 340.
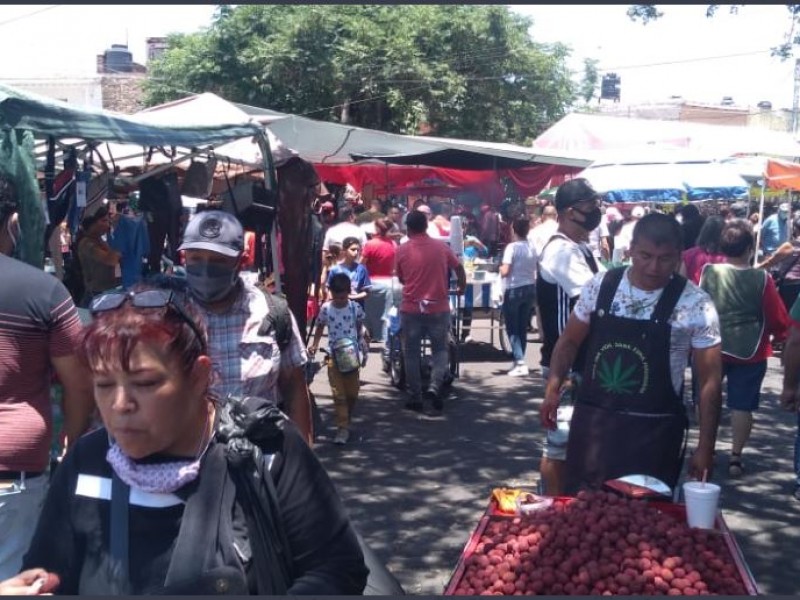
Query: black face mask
x: 591, y: 219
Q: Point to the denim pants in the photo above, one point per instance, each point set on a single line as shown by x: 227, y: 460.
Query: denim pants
x: 376, y: 308
x: 517, y: 306
x: 19, y: 512
x: 413, y: 327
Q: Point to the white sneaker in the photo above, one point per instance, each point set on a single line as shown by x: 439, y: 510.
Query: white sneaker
x: 341, y: 437
x: 518, y: 371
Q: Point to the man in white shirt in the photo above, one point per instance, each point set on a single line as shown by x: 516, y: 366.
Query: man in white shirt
x: 565, y: 265
x: 541, y: 233
x: 622, y: 241
x: 345, y: 228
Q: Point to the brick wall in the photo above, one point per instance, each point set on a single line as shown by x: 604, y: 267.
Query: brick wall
x: 123, y: 93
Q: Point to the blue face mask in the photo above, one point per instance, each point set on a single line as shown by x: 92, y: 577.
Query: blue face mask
x: 210, y: 282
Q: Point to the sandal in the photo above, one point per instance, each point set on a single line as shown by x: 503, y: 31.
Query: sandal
x: 735, y: 466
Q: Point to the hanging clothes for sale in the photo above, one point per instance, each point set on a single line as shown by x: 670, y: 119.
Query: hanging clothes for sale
x: 160, y: 203
x: 63, y: 196
x: 199, y: 178
x: 130, y: 238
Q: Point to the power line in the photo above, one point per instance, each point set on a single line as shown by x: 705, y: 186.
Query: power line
x: 28, y: 15
x: 684, y: 61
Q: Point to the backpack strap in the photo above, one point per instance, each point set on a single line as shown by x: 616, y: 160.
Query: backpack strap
x: 119, y: 543
x: 197, y: 537
x: 278, y: 320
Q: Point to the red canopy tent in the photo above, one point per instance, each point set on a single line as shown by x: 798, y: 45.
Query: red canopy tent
x: 389, y: 178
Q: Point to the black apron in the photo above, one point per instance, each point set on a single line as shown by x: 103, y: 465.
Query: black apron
x: 628, y: 419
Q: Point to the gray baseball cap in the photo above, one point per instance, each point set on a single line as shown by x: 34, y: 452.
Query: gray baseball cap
x: 214, y: 230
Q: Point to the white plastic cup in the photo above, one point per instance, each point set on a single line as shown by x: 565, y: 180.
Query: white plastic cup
x: 702, y: 500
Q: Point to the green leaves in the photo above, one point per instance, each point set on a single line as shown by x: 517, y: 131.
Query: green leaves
x: 616, y: 380
x: 464, y: 70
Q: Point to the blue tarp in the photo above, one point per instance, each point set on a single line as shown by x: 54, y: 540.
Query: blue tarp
x: 666, y: 182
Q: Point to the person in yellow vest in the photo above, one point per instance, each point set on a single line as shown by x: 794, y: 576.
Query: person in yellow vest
x: 750, y: 312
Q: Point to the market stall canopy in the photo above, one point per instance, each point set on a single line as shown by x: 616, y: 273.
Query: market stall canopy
x: 666, y: 175
x: 584, y: 133
x: 47, y: 117
x: 471, y: 154
x: 334, y: 143
x: 782, y: 175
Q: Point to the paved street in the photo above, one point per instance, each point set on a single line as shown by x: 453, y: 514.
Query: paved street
x: 416, y: 485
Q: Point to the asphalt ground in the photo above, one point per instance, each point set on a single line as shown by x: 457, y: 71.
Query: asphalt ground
x: 416, y: 485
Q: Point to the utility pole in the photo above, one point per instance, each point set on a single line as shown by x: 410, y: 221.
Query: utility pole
x: 796, y: 100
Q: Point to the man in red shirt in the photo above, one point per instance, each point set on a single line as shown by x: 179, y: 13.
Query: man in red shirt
x: 423, y: 267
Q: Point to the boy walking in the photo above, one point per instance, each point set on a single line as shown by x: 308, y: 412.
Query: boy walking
x: 360, y: 283
x: 346, y: 341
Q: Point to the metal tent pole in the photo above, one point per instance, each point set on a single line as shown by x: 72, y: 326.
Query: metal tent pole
x: 760, y: 219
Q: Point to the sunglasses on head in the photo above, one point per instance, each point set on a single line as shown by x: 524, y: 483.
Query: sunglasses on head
x: 145, y: 299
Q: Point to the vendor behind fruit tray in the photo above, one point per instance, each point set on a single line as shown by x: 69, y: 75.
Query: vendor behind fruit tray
x: 639, y: 323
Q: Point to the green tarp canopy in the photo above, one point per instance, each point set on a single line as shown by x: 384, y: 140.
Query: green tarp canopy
x: 46, y: 117
x: 25, y: 115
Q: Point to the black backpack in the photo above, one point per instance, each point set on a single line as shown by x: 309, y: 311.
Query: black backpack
x: 278, y: 321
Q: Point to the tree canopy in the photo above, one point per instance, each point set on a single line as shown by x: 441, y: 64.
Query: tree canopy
x: 451, y: 70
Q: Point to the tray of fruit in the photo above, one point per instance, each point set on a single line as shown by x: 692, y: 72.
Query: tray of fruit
x: 598, y: 543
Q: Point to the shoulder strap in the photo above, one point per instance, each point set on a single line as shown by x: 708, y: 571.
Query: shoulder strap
x: 198, y: 532
x: 277, y: 320
x: 119, y: 542
x: 608, y: 287
x: 669, y: 299
x: 587, y: 254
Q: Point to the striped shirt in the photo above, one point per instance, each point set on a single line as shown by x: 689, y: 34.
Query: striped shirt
x: 38, y: 322
x: 244, y: 362
x: 564, y: 267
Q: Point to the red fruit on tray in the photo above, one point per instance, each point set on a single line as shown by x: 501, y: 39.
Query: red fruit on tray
x: 597, y: 544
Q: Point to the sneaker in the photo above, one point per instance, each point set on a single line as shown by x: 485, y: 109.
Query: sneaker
x: 435, y: 397
x: 519, y: 371
x: 342, y: 435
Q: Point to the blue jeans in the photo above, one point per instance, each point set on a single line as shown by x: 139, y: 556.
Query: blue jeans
x: 517, y: 306
x: 19, y: 511
x: 413, y: 327
x: 376, y: 306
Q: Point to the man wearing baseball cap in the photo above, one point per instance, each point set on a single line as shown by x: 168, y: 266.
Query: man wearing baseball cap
x: 247, y: 362
x: 566, y: 263
x: 775, y: 230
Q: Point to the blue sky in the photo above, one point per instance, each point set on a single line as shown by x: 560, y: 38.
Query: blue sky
x: 669, y: 57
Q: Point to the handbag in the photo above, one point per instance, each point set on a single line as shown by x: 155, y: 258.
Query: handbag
x: 346, y: 351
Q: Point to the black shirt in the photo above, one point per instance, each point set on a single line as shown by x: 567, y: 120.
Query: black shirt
x: 72, y: 535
